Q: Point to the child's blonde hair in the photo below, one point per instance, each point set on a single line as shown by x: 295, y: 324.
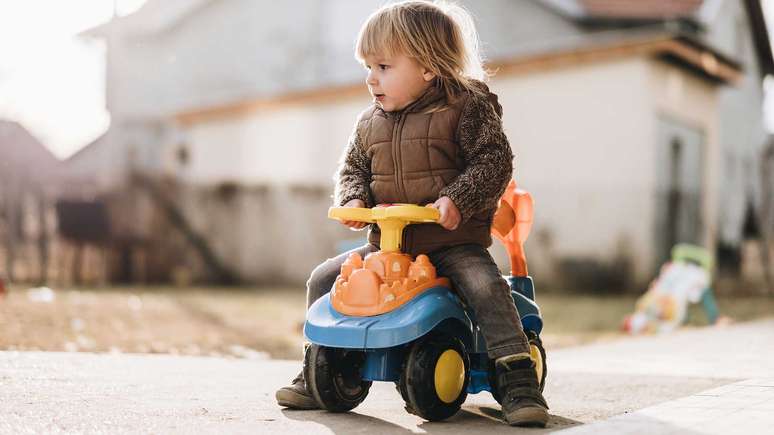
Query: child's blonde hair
x: 440, y: 36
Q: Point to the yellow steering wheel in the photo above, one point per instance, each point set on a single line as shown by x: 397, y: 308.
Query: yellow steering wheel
x: 390, y: 218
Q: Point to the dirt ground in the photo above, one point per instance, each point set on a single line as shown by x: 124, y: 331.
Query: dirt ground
x: 230, y: 322
x: 253, y: 322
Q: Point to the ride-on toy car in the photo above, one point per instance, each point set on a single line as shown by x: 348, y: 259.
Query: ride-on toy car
x: 390, y: 318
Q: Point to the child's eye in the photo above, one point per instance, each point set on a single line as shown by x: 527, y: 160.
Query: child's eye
x: 383, y: 66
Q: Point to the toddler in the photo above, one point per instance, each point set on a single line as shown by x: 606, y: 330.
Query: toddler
x: 433, y: 136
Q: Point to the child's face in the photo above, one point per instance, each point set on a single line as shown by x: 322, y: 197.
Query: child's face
x: 396, y: 81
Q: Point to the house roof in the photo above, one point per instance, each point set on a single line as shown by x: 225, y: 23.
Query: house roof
x: 22, y: 154
x: 641, y: 9
x: 682, y: 50
x: 629, y: 10
x: 582, y: 26
x: 691, y: 13
x: 152, y: 17
x: 99, y: 140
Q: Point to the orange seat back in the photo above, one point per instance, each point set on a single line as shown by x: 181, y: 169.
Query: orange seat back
x: 512, y: 224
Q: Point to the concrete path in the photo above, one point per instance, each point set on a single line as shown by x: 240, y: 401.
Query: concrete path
x: 668, y: 384
x: 743, y: 407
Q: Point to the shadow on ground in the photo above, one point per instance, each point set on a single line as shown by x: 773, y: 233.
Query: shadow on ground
x: 469, y: 419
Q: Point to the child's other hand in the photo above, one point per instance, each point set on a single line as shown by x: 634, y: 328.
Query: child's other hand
x: 450, y: 215
x: 355, y: 225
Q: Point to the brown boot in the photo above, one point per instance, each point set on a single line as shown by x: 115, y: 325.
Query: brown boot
x: 295, y: 395
x: 522, y: 402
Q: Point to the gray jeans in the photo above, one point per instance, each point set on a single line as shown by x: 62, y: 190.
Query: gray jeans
x: 476, y: 278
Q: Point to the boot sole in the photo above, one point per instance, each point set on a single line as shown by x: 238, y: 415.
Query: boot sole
x: 291, y: 399
x: 532, y: 416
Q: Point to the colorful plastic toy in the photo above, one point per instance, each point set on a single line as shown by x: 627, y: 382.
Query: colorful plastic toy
x: 391, y: 318
x: 684, y: 280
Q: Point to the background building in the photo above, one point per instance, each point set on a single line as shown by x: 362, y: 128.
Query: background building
x: 636, y: 124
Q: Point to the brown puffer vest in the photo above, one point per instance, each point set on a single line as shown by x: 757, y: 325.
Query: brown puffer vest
x: 413, y: 156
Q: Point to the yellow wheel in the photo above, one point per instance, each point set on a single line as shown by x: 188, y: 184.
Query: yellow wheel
x: 449, y: 376
x: 537, y: 354
x: 434, y: 380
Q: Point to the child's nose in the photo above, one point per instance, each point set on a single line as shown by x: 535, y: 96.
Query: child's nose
x: 370, y: 79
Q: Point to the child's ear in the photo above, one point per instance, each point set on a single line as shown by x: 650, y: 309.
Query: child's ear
x: 428, y: 75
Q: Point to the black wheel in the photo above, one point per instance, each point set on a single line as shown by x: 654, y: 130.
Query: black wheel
x: 538, y: 354
x: 333, y: 377
x: 434, y: 379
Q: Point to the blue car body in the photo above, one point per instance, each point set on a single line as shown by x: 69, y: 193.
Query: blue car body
x: 385, y: 337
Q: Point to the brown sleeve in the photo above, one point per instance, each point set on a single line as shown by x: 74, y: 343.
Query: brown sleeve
x: 488, y: 157
x: 353, y: 176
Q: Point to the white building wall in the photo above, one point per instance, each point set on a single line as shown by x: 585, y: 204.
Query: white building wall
x: 583, y: 135
x: 742, y: 131
x: 583, y: 143
x: 283, y: 160
x: 583, y: 139
x: 293, y: 144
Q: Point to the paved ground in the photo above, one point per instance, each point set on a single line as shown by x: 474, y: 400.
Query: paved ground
x: 676, y: 383
x: 743, y: 407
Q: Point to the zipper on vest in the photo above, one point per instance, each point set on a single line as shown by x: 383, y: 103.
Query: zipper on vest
x: 396, y: 136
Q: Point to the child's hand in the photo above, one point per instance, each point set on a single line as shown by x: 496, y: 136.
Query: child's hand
x: 355, y: 225
x: 450, y: 215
